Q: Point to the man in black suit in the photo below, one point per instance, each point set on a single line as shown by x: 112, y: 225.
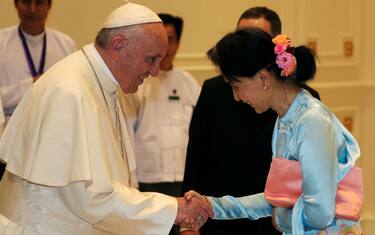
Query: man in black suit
x: 229, y: 151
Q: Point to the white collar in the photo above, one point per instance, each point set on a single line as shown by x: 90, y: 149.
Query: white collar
x: 34, y: 38
x: 102, y: 64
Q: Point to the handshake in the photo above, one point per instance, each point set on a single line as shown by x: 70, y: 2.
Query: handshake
x: 193, y: 211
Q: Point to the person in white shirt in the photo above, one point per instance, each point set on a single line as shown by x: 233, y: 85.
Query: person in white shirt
x: 160, y: 114
x: 27, y: 50
x: 68, y: 153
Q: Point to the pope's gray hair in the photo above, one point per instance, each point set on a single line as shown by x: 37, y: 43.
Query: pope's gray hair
x: 105, y: 35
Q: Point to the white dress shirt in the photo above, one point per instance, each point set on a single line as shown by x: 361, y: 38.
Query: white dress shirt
x: 15, y: 75
x: 160, y: 114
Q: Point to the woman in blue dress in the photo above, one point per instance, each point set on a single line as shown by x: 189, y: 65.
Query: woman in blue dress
x: 269, y: 73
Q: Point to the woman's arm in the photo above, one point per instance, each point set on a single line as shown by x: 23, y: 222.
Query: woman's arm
x: 251, y: 207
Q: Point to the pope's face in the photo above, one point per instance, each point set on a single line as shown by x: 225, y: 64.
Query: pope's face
x: 33, y: 14
x: 141, y: 57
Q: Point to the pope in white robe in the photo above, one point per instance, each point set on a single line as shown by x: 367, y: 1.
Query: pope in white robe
x: 69, y: 157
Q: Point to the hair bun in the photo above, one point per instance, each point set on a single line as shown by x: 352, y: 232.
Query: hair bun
x: 306, y: 67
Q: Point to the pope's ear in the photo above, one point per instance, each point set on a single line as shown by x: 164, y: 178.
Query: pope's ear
x: 117, y: 44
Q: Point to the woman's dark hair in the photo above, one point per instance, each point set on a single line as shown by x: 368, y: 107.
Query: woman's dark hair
x: 244, y: 52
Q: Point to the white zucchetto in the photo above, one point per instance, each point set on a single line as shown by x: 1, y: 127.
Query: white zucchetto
x: 130, y: 14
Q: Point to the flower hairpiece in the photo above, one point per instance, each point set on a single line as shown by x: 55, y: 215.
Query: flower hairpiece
x: 284, y: 56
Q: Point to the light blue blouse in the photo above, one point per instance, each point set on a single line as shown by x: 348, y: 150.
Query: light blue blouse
x: 326, y: 150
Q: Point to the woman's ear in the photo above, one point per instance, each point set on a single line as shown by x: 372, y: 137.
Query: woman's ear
x: 265, y: 78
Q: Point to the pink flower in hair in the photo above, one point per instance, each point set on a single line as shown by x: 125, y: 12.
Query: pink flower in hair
x: 284, y: 60
x: 279, y: 48
x: 287, y: 62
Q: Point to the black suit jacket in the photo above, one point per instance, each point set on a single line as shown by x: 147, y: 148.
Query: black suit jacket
x: 229, y: 153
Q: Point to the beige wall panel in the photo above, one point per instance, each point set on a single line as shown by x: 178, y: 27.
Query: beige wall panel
x: 330, y: 24
x: 368, y: 131
x: 368, y: 148
x: 206, y: 21
x: 368, y: 39
x: 331, y: 29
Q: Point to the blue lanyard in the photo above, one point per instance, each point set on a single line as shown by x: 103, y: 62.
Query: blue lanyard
x: 29, y: 59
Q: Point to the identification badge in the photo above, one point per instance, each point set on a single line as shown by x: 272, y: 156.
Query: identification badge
x: 174, y: 95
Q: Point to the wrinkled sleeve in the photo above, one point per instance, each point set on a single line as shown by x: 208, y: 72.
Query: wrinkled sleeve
x: 124, y: 210
x: 316, y: 150
x: 252, y: 207
x: 283, y: 218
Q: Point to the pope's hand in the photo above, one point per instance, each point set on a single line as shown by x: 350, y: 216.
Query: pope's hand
x: 193, y: 213
x: 192, y: 194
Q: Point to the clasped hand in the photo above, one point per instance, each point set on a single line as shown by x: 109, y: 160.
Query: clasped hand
x: 193, y: 210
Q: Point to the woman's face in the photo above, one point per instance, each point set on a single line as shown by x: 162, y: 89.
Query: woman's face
x: 253, y: 91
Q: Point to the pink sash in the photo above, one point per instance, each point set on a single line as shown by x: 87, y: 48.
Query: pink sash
x: 284, y: 186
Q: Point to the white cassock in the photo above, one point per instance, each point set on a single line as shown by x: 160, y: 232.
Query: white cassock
x: 69, y: 159
x: 2, y: 118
